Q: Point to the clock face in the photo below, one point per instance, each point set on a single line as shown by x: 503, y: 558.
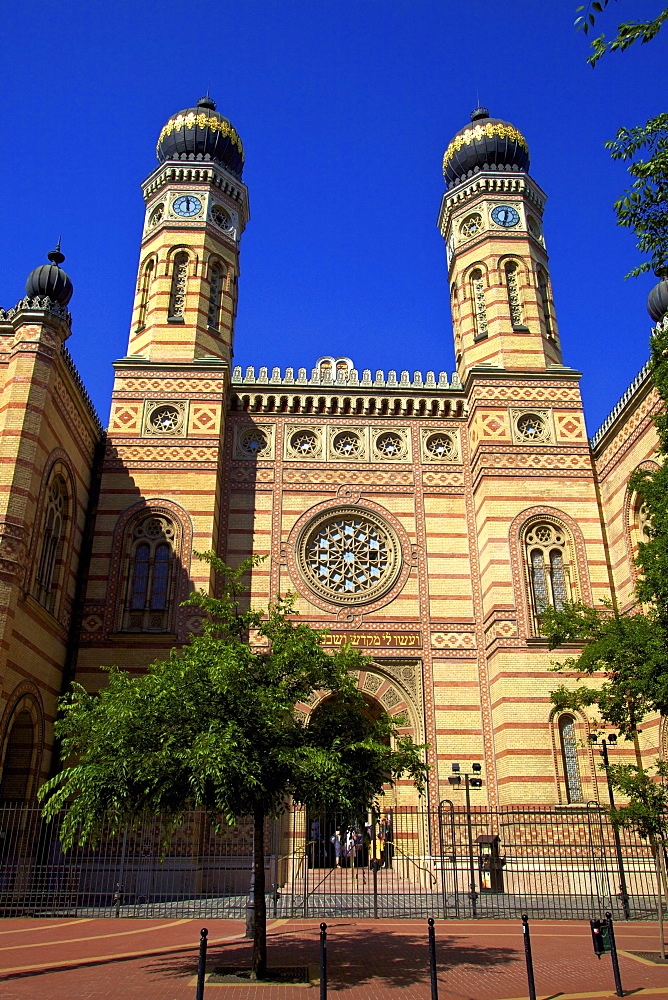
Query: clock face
x: 187, y: 205
x: 505, y: 215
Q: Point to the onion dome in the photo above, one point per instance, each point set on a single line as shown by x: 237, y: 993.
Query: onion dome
x: 486, y: 144
x: 657, y: 300
x: 201, y: 133
x: 50, y: 280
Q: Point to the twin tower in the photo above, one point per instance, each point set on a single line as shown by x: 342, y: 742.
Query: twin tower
x: 490, y: 218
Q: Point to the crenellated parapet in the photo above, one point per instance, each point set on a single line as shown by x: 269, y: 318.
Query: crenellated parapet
x: 351, y: 377
x: 41, y: 303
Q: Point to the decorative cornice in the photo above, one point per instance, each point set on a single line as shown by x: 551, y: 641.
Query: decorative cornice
x: 641, y: 384
x: 76, y: 378
x: 345, y: 380
x: 38, y: 304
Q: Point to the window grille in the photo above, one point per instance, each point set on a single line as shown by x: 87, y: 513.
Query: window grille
x: 479, y: 305
x: 513, y: 290
x: 545, y: 301
x: 547, y: 559
x: 150, y: 576
x: 569, y: 753
x: 215, y: 295
x: 53, y: 533
x: 177, y: 298
x: 147, y: 277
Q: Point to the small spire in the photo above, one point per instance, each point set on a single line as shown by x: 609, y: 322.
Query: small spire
x: 56, y: 257
x: 479, y: 113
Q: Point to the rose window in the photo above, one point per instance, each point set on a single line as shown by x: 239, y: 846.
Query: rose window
x: 532, y: 427
x: 390, y: 445
x: 349, y: 557
x: 347, y: 444
x: 304, y: 443
x: 441, y: 446
x: 165, y: 420
x: 471, y: 225
x: 253, y: 442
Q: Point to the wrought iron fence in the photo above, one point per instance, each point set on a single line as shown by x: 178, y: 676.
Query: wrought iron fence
x: 549, y: 863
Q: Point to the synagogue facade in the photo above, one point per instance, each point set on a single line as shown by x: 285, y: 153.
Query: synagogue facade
x: 425, y: 517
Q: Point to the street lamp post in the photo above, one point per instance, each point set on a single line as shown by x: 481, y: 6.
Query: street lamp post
x: 623, y: 893
x: 470, y: 781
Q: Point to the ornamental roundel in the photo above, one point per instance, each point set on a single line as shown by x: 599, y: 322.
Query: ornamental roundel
x: 471, y: 226
x: 348, y: 556
x: 253, y: 442
x: 165, y: 419
x: 390, y: 446
x: 532, y: 426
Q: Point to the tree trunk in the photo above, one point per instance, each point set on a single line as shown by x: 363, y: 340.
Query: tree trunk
x: 259, y: 964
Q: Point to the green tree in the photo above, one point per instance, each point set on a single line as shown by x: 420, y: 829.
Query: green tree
x: 627, y: 33
x: 214, y: 726
x: 647, y: 814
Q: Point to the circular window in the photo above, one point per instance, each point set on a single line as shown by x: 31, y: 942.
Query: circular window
x: 253, y: 442
x: 471, y: 225
x: 545, y: 534
x: 533, y: 226
x: 349, y: 557
x: 347, y: 444
x: 165, y: 420
x: 532, y: 427
x: 220, y: 217
x: 441, y: 446
x: 304, y: 443
x: 156, y: 215
x: 390, y: 445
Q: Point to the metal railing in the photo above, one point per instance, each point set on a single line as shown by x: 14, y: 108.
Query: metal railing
x: 556, y: 863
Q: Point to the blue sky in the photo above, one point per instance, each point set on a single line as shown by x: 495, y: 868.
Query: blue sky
x: 344, y: 110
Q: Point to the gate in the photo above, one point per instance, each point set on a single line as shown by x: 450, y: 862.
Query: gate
x: 557, y: 863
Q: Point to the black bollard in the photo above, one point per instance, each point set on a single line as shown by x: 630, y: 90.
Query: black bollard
x: 323, y: 961
x: 432, y: 959
x: 527, y: 955
x: 201, y: 964
x: 613, y: 955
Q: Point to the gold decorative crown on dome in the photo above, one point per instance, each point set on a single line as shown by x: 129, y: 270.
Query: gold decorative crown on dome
x: 486, y: 144
x: 201, y: 133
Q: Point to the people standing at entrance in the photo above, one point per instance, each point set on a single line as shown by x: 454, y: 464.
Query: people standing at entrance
x: 336, y: 841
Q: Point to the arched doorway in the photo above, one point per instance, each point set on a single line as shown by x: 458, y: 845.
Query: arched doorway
x: 16, y: 772
x: 335, y: 839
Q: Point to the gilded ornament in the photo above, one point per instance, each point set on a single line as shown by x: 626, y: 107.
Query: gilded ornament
x: 201, y: 121
x: 479, y: 132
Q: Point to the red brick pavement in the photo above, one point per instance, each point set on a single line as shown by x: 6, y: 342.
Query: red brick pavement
x: 157, y: 960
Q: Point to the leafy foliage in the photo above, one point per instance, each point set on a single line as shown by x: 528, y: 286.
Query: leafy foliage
x: 647, y: 811
x: 627, y: 33
x: 627, y: 650
x: 215, y: 726
x: 644, y: 206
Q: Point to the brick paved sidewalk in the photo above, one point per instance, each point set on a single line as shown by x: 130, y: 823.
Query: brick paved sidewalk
x: 368, y: 960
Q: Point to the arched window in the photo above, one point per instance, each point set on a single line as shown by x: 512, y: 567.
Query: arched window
x: 151, y: 576
x: 18, y: 759
x: 569, y: 756
x: 146, y: 280
x: 177, y: 298
x: 548, y: 568
x: 513, y: 291
x: 479, y: 305
x: 53, y: 535
x: 215, y: 295
x: 544, y: 295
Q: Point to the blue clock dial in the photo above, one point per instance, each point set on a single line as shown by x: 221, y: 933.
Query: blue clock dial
x: 187, y: 205
x: 505, y: 215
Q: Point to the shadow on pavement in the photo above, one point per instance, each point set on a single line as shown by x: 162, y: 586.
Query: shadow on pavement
x: 355, y: 955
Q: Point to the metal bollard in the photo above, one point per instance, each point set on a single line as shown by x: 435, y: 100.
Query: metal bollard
x: 527, y: 955
x: 201, y: 964
x: 613, y: 955
x: 323, y: 961
x: 432, y: 959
